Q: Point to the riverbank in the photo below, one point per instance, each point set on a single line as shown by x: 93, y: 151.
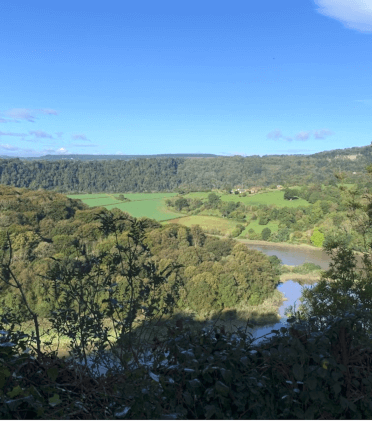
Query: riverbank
x: 303, y: 279
x: 278, y: 245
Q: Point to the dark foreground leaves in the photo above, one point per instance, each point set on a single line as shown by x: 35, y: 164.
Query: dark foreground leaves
x: 320, y: 369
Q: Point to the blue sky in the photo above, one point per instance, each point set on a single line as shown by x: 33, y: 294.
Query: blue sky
x: 223, y: 77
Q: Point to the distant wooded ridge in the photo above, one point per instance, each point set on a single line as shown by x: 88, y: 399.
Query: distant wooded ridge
x: 87, y: 157
x: 159, y: 173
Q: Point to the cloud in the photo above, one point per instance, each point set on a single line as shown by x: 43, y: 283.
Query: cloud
x: 12, y: 134
x: 321, y: 134
x: 83, y: 145
x: 295, y: 151
x: 40, y: 134
x: 364, y: 101
x: 61, y: 151
x: 275, y: 134
x: 20, y: 114
x: 4, y: 120
x: 48, y: 111
x: 303, y: 135
x: 80, y: 137
x: 9, y: 147
x: 16, y: 114
x: 354, y: 14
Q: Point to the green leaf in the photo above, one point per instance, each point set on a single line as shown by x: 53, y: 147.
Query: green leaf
x: 52, y: 373
x: 210, y: 410
x: 222, y: 389
x: 226, y: 374
x: 4, y: 373
x: 188, y: 398
x: 298, y: 372
x: 54, y: 400
x: 311, y: 383
x: 337, y: 388
x: 17, y: 390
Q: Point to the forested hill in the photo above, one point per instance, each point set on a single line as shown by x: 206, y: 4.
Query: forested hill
x: 87, y: 157
x: 162, y: 174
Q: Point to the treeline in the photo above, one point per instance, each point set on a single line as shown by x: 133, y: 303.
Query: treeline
x: 46, y: 228
x: 168, y: 174
x: 326, y: 215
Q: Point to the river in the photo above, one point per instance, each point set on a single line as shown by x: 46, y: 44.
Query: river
x: 294, y: 256
x: 289, y: 255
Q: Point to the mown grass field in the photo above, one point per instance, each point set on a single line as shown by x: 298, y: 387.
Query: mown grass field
x: 210, y: 224
x: 150, y: 205
x: 275, y: 197
x: 258, y: 228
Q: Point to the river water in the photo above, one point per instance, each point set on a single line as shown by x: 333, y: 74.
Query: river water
x: 294, y: 256
x: 289, y: 255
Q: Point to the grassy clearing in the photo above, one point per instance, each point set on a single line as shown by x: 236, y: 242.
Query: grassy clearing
x: 154, y: 209
x: 210, y: 224
x: 150, y: 205
x: 258, y: 228
x: 275, y: 197
x: 303, y: 279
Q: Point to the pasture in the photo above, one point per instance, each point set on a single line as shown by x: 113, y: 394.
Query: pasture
x: 275, y: 197
x: 258, y: 228
x: 210, y: 224
x: 150, y: 205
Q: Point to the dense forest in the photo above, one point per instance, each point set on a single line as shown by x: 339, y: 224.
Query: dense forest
x: 87, y: 157
x: 45, y: 228
x: 110, y: 282
x: 168, y: 174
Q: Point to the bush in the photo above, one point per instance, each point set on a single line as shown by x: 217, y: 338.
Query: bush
x: 264, y: 220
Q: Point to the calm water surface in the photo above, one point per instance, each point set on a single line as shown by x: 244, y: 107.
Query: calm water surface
x: 292, y: 290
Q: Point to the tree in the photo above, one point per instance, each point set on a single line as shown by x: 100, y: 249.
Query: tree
x: 213, y: 200
x: 290, y: 194
x: 317, y: 238
x: 265, y: 234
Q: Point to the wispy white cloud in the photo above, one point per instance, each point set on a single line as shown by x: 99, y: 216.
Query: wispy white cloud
x: 275, y: 134
x: 40, y: 134
x: 61, y: 151
x: 16, y: 114
x: 295, y: 151
x: 12, y: 134
x: 48, y: 111
x: 364, y: 101
x: 9, y: 147
x: 80, y: 136
x: 302, y: 136
x: 354, y: 14
x: 322, y: 134
x: 83, y: 145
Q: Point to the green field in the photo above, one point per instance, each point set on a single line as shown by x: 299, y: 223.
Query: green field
x: 210, y: 224
x: 275, y: 197
x: 150, y: 205
x: 258, y: 228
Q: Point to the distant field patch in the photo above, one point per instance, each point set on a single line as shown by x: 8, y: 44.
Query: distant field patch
x: 150, y: 205
x: 270, y: 198
x: 258, y: 228
x: 154, y: 209
x: 147, y: 196
x: 208, y: 223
